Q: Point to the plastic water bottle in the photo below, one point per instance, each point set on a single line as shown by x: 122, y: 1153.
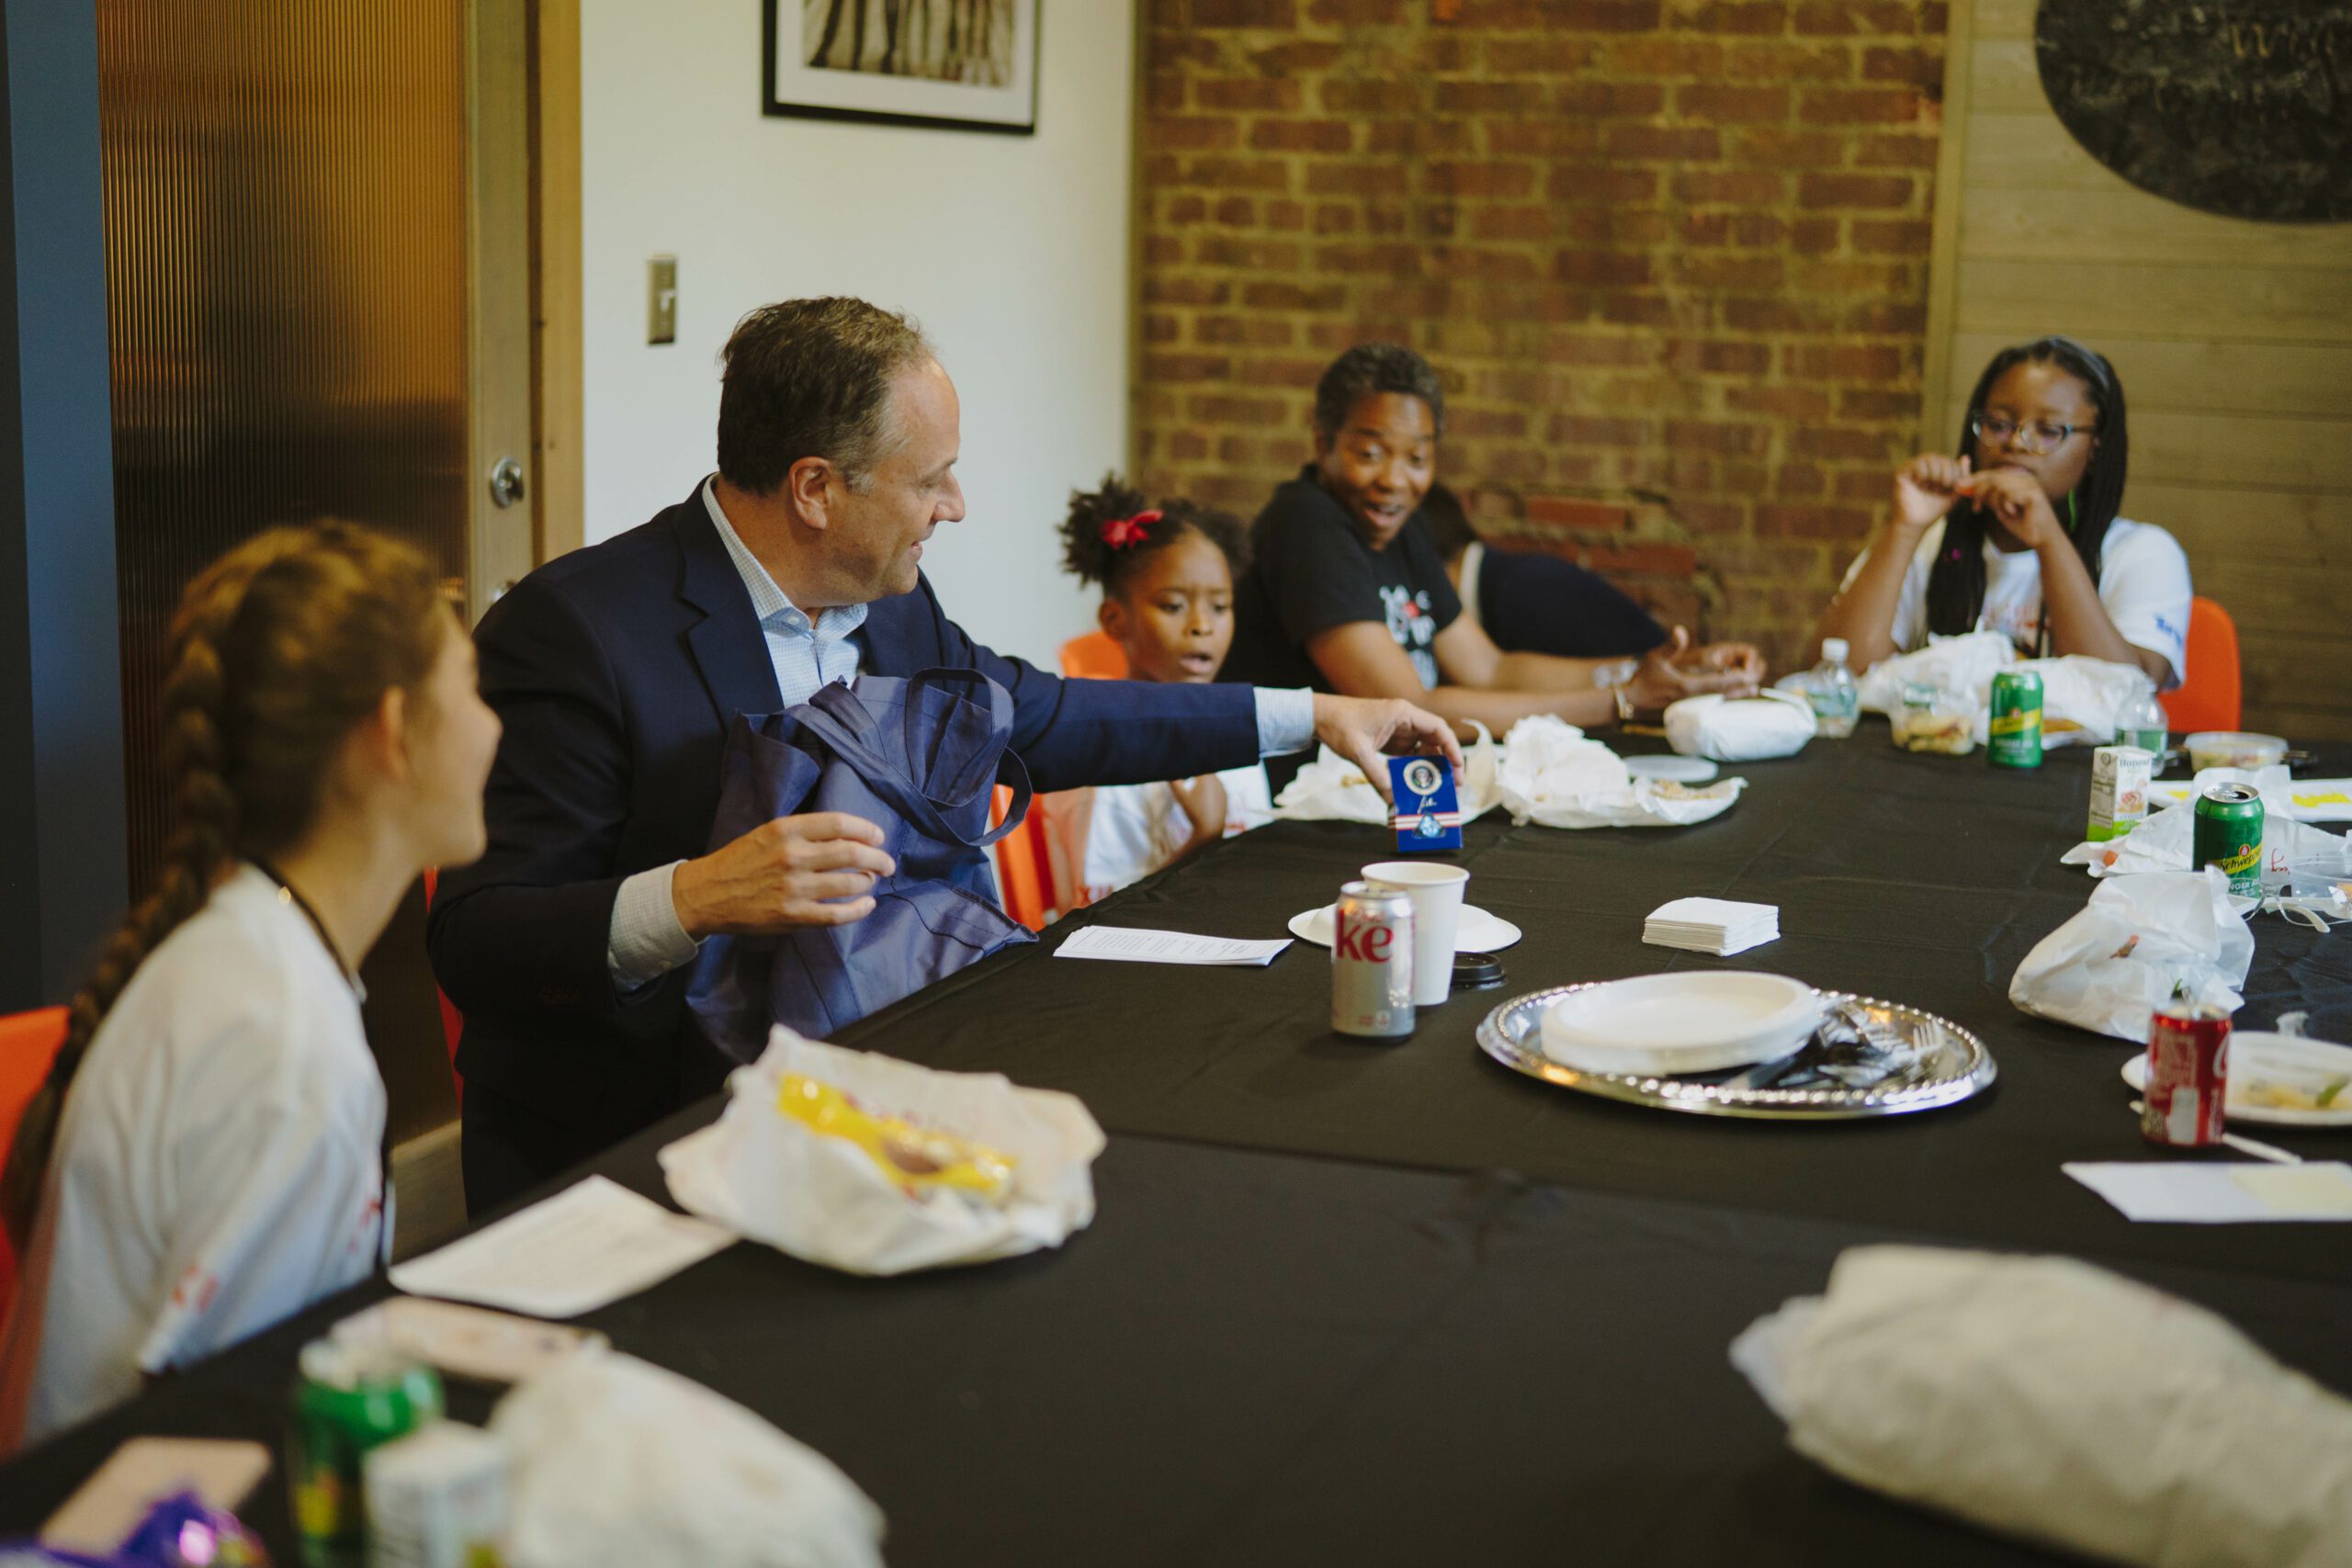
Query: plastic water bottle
x: 1829, y: 687
x: 2141, y: 720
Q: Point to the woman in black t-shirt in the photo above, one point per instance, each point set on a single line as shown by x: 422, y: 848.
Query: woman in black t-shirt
x: 1347, y: 592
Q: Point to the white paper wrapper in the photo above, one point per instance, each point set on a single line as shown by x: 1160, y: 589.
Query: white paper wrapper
x: 1551, y: 774
x: 2080, y: 696
x: 1740, y: 729
x: 768, y: 1177
x: 2109, y: 968
x: 2047, y: 1399
x: 1332, y: 789
x: 619, y: 1464
x: 2166, y: 840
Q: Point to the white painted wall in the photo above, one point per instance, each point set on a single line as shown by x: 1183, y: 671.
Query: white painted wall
x: 1011, y: 250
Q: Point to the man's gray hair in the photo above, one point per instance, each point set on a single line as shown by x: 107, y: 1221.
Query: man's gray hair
x: 811, y: 378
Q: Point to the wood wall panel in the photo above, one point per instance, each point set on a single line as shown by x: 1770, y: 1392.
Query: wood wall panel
x: 2233, y: 340
x: 2155, y: 298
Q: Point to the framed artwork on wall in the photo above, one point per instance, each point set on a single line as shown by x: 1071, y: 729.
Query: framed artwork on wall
x: 966, y: 64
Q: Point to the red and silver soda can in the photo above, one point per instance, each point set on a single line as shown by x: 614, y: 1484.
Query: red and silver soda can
x: 1371, y: 963
x: 2188, y: 1075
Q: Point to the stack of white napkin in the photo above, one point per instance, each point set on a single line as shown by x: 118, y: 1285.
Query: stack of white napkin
x: 1720, y: 926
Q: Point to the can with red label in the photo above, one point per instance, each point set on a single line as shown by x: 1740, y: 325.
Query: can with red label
x: 1371, y: 963
x: 2188, y: 1075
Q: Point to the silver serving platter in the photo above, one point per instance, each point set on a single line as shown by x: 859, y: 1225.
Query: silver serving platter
x: 1955, y: 1066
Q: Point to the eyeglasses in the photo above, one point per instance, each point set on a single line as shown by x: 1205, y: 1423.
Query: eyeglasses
x: 2036, y: 436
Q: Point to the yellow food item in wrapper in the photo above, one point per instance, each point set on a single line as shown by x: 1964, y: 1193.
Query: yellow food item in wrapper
x: 915, y: 1157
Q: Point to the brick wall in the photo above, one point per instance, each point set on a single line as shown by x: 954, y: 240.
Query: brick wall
x: 1670, y: 257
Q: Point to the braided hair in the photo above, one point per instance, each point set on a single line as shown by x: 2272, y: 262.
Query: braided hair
x: 278, y: 649
x: 1956, y: 581
x: 1111, y: 531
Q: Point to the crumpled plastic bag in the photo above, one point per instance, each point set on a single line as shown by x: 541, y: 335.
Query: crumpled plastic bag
x: 1332, y: 789
x: 2049, y: 1400
x: 2139, y: 938
x: 1551, y: 773
x: 1961, y: 667
x: 2166, y: 840
x: 771, y: 1177
x: 619, y: 1464
x: 1740, y: 729
x: 2081, y: 696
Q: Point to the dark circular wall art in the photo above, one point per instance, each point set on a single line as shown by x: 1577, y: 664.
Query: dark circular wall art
x: 2237, y: 106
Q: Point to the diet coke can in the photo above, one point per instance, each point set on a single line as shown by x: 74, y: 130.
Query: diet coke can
x: 1371, y: 963
x: 2188, y: 1075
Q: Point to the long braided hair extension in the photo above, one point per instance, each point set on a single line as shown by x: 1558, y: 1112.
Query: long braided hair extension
x: 1956, y: 581
x: 278, y: 650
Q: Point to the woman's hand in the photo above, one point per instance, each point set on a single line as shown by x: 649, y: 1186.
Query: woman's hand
x: 2018, y: 498
x: 1927, y: 487
x: 1740, y: 658
x: 1204, y: 802
x: 1674, y: 669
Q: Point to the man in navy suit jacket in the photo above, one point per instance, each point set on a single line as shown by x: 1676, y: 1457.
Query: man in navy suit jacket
x: 618, y: 670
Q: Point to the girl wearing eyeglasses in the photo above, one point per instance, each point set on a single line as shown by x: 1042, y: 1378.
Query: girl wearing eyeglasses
x: 2019, y: 532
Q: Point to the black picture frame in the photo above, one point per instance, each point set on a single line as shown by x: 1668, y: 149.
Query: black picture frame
x: 791, y: 89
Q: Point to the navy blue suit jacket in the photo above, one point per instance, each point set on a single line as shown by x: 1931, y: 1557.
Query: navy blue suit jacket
x: 616, y: 671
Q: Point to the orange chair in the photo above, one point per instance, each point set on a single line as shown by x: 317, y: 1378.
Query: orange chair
x: 1023, y: 868
x: 1094, y: 657
x: 1024, y: 861
x: 453, y: 1023
x: 2207, y: 697
x: 29, y: 1043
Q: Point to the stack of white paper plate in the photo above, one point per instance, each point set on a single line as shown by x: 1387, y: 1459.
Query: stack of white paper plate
x: 1697, y: 1022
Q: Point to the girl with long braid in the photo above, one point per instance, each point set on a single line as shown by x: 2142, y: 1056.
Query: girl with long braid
x: 2018, y: 533
x: 205, y: 1157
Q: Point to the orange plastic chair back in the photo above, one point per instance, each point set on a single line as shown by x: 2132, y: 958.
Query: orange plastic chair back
x: 1025, y: 860
x: 29, y: 1043
x: 453, y: 1023
x: 2209, y: 694
x: 1094, y: 657
x: 1024, y: 871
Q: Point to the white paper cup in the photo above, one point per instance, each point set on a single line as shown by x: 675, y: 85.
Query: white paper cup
x: 1436, y: 892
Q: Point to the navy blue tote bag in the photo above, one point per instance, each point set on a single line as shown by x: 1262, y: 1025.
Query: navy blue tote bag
x: 919, y: 756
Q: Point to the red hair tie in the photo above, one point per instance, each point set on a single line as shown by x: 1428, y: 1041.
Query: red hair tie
x: 1120, y: 532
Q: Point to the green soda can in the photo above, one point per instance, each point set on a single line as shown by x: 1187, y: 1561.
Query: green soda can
x: 2229, y: 834
x: 2013, y: 737
x: 349, y: 1398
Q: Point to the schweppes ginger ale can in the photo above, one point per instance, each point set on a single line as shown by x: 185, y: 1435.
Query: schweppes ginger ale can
x: 2013, y: 737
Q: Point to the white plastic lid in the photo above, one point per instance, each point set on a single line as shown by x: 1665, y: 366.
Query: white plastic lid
x: 1833, y: 648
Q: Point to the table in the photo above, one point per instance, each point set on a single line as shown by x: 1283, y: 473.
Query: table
x: 1307, y: 1327
x: 1921, y: 879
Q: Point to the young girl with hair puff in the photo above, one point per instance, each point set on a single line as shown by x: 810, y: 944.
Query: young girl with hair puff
x: 2017, y: 531
x: 206, y: 1155
x: 1167, y: 574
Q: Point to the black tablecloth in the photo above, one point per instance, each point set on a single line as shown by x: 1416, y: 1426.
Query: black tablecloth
x: 1252, y: 1358
x: 1921, y: 879
x: 1257, y: 1357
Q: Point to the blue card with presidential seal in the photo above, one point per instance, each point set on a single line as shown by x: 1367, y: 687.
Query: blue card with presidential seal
x: 1425, y: 810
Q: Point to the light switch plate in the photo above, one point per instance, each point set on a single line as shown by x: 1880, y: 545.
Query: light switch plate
x: 661, y: 299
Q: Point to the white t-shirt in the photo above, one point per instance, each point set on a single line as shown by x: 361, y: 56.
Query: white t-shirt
x: 1134, y: 829
x: 219, y: 1166
x: 2143, y: 583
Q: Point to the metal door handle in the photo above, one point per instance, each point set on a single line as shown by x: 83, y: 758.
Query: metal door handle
x: 505, y: 481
